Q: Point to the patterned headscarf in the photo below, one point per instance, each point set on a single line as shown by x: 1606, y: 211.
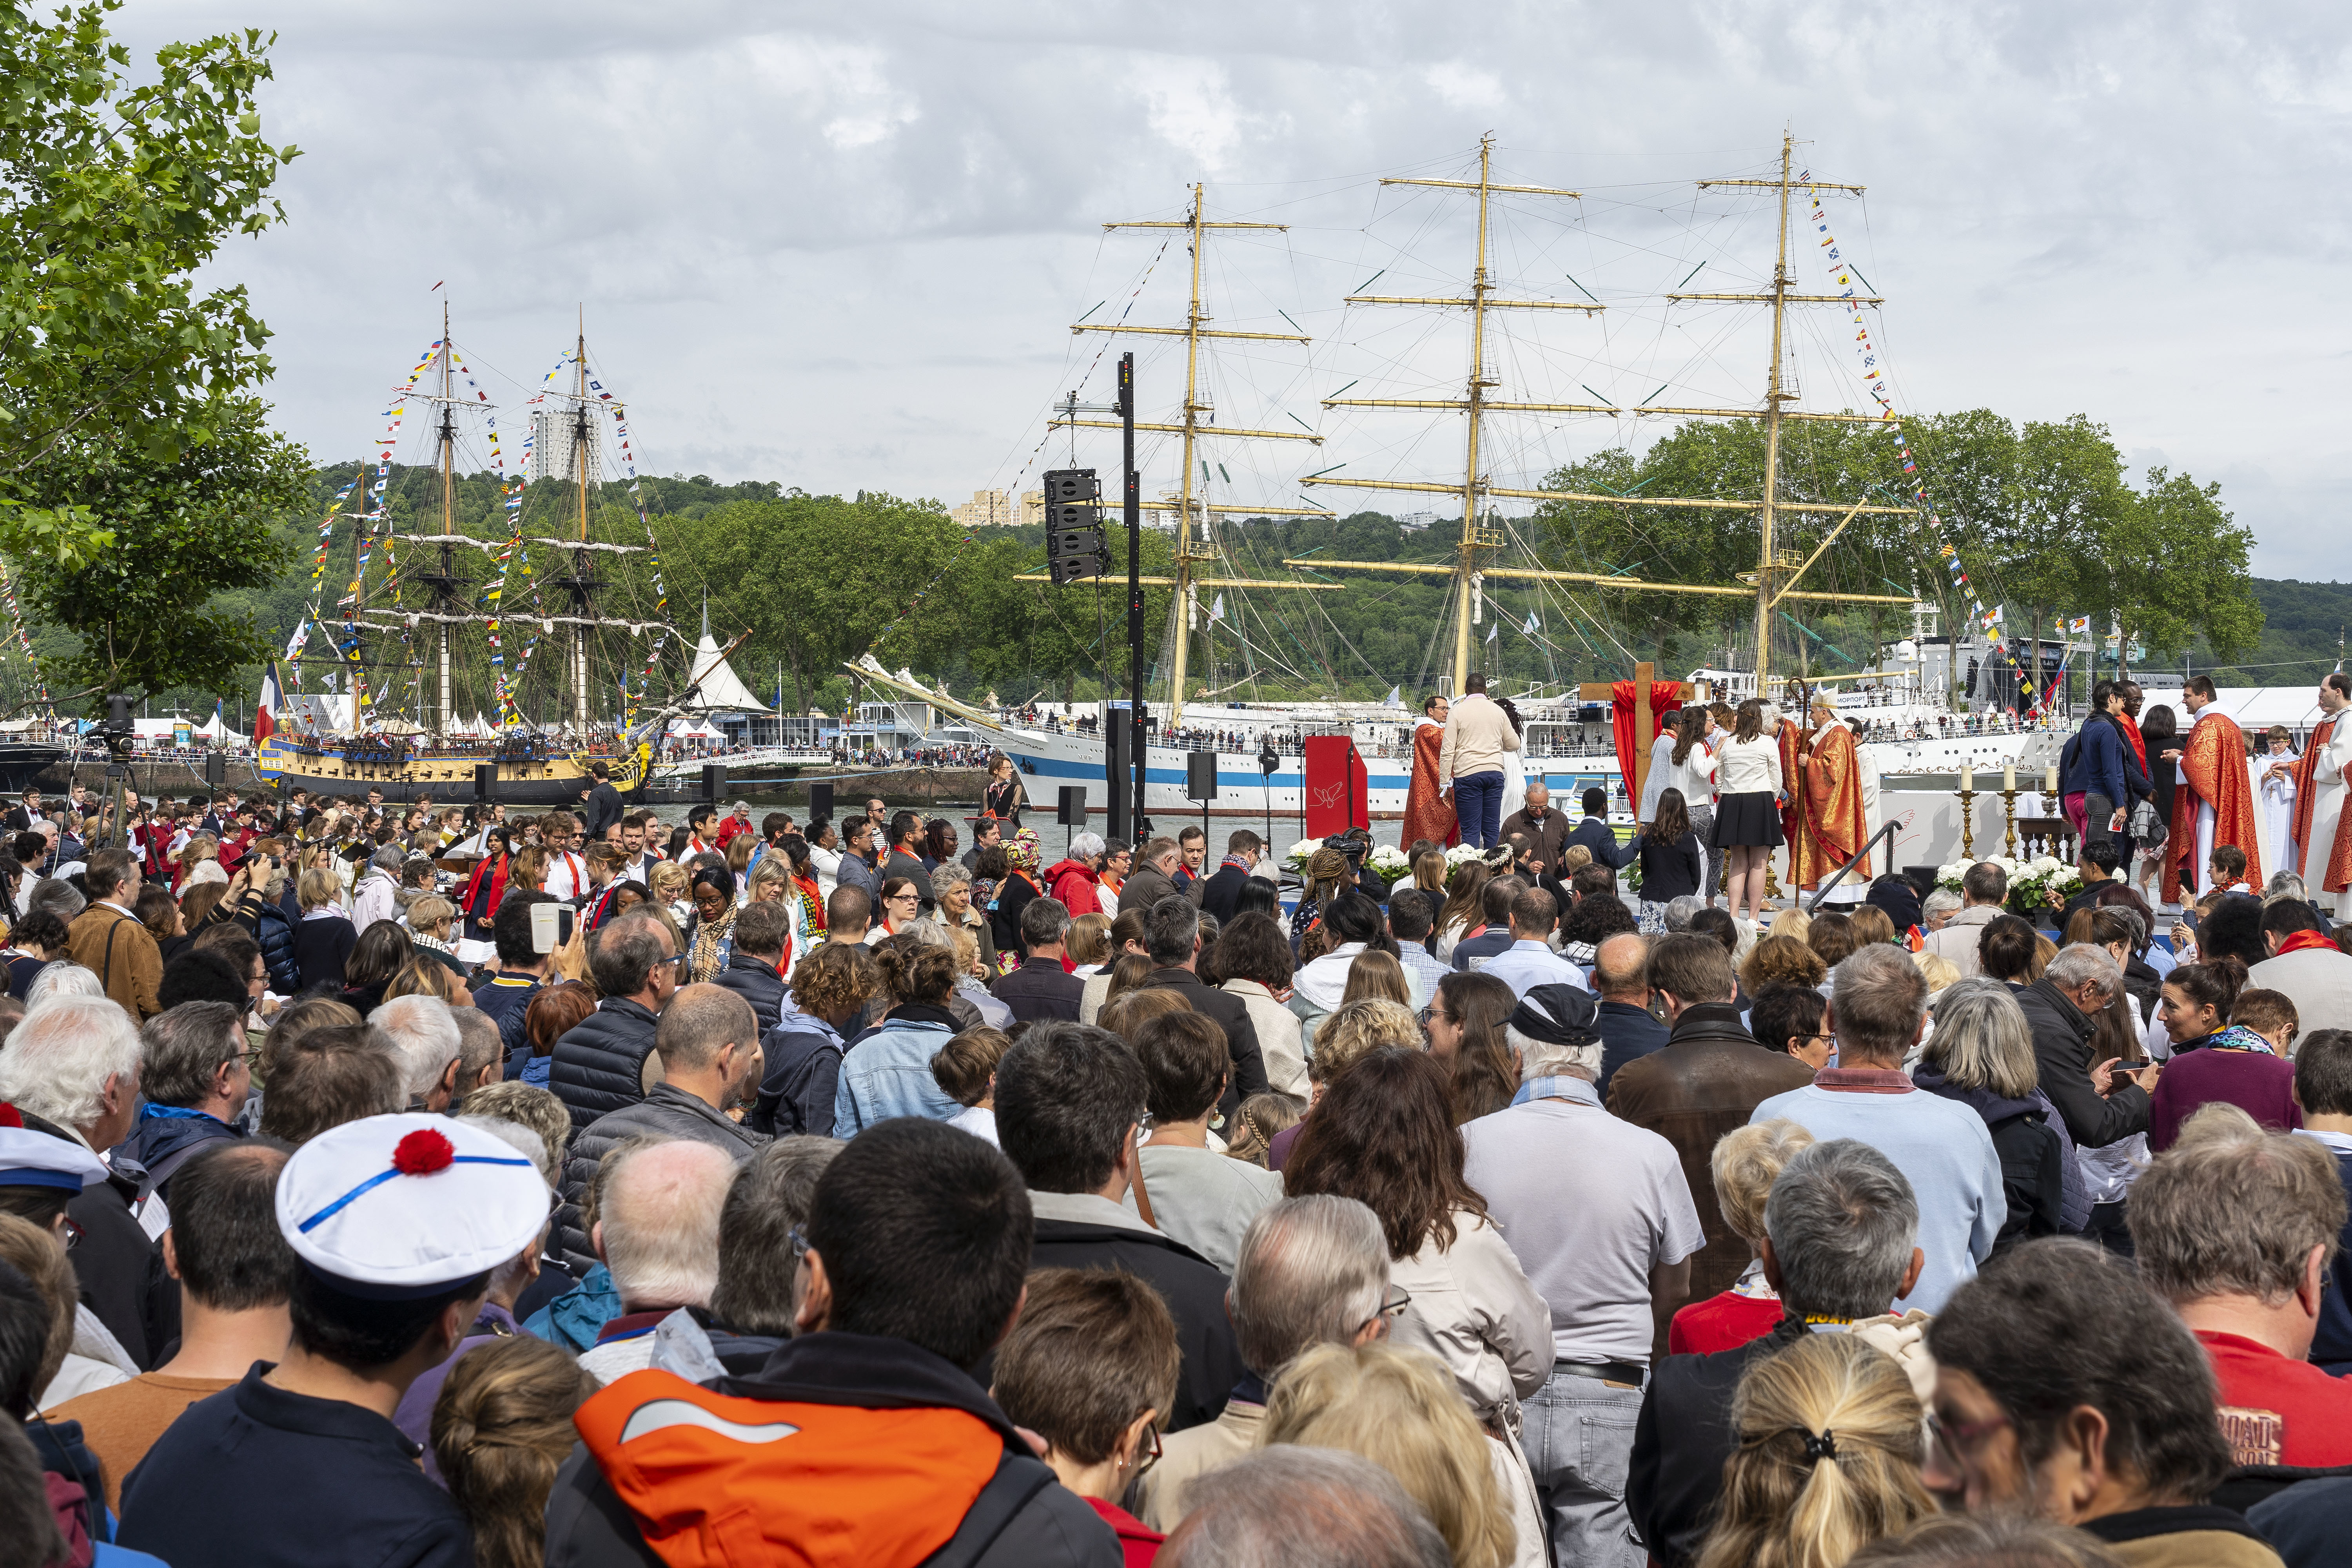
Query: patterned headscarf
x: 1023, y: 852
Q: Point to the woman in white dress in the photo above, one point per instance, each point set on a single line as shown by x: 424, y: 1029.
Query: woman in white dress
x: 1515, y: 766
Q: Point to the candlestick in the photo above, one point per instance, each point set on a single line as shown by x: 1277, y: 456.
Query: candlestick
x: 1967, y: 815
x: 2009, y: 808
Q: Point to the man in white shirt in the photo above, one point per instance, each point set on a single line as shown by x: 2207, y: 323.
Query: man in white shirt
x: 636, y: 829
x: 1529, y: 963
x: 1613, y: 1265
x: 1470, y: 763
x: 567, y: 872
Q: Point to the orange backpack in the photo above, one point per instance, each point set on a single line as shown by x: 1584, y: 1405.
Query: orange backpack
x: 714, y: 1479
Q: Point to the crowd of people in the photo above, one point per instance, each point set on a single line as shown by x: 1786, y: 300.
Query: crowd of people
x: 576, y: 1189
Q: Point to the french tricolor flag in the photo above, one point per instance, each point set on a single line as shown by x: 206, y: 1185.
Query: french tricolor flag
x: 272, y: 702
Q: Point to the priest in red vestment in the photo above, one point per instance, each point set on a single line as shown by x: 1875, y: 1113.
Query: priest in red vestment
x: 2321, y: 839
x: 2215, y: 802
x: 1836, y: 825
x: 1426, y: 814
x: 1792, y: 737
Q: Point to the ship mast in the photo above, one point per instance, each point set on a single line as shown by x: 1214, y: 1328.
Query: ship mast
x: 581, y: 582
x: 1468, y: 579
x: 1778, y: 571
x: 448, y: 515
x: 1198, y: 422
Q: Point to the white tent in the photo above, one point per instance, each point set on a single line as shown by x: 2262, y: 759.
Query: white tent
x: 2258, y: 707
x: 694, y: 730
x: 717, y: 687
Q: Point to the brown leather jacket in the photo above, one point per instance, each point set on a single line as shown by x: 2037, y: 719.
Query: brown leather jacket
x: 1708, y: 1079
x: 120, y: 951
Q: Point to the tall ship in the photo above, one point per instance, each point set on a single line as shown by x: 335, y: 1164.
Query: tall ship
x: 1930, y: 698
x: 499, y: 642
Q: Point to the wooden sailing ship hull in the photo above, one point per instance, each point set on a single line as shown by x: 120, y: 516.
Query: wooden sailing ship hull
x: 551, y: 778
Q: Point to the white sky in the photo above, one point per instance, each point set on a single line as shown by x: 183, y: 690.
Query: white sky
x: 839, y: 246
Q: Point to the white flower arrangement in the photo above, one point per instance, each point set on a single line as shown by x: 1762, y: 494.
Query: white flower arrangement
x: 1389, y: 861
x: 1461, y: 855
x: 1296, y: 859
x: 2030, y: 881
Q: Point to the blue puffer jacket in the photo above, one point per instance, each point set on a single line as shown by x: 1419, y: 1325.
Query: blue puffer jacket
x: 275, y: 933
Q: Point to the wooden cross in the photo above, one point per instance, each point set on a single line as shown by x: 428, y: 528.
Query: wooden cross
x: 1645, y: 720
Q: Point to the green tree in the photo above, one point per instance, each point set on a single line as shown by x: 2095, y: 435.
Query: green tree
x: 185, y: 528
x: 125, y: 415
x: 2170, y: 565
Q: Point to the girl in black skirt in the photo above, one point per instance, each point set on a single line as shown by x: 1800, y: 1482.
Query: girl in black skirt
x: 1747, y: 809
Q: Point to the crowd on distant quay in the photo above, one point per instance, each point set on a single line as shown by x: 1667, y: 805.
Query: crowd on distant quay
x: 428, y: 1185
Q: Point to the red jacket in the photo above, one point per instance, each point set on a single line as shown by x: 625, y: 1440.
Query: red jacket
x: 1074, y: 883
x: 731, y: 827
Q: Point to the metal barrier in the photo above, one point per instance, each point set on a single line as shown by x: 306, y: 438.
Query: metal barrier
x: 1885, y: 831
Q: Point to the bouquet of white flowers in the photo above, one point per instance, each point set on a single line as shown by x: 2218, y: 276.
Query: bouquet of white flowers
x: 1461, y: 855
x: 1389, y: 862
x: 1296, y: 859
x: 2031, y: 882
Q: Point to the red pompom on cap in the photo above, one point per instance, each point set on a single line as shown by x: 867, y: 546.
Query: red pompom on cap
x: 424, y: 1152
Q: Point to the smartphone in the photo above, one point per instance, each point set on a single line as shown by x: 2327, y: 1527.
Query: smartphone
x: 550, y: 926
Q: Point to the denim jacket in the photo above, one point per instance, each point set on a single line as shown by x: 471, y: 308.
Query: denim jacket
x: 888, y: 1073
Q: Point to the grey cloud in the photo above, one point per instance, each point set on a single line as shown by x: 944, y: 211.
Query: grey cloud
x: 838, y: 248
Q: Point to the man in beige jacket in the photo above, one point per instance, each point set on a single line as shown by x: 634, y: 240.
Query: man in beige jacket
x: 1470, y: 763
x: 1312, y: 1270
x: 1984, y: 894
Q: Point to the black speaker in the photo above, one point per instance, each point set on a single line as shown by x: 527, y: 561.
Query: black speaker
x: 215, y: 768
x: 714, y: 781
x: 1121, y: 740
x: 485, y: 781
x: 1073, y: 810
x: 1201, y: 775
x: 821, y: 802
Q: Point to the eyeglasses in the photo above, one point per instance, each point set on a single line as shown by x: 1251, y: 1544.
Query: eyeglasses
x: 72, y: 1232
x: 1144, y: 1123
x: 1146, y: 1456
x: 910, y: 897
x: 1392, y: 1306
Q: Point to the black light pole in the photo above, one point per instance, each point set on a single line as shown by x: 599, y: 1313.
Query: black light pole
x: 1138, y: 752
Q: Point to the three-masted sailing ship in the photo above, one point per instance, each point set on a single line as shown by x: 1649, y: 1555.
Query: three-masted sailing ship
x: 1570, y: 746
x: 436, y: 680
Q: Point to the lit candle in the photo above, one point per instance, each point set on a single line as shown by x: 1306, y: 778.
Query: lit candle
x: 2050, y: 779
x: 2008, y: 775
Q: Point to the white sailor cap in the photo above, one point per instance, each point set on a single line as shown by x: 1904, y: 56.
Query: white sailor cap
x: 30, y: 1158
x: 408, y: 1205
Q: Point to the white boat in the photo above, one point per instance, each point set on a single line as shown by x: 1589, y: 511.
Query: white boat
x: 1569, y: 745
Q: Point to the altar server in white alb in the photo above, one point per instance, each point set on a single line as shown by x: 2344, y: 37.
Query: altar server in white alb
x: 2272, y: 771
